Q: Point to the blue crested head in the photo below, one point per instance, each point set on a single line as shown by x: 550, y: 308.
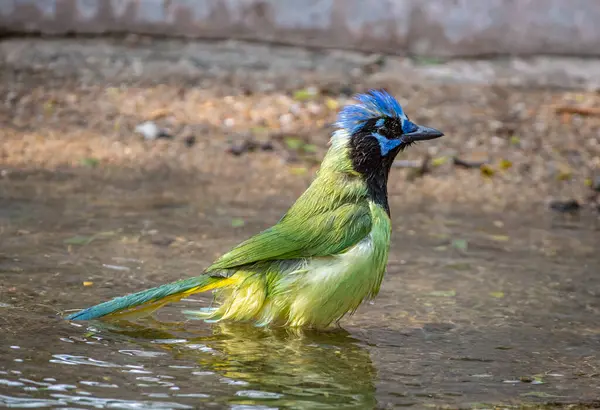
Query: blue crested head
x: 373, y: 104
x: 380, y: 116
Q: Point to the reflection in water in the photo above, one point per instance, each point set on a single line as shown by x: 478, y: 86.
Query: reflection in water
x: 158, y: 365
x: 276, y: 366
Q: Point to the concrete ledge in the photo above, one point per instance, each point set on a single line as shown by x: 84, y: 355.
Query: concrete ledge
x: 444, y: 28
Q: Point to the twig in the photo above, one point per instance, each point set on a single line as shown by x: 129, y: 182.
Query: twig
x: 467, y: 164
x: 569, y: 109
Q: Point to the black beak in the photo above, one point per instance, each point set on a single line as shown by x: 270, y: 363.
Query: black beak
x: 422, y: 134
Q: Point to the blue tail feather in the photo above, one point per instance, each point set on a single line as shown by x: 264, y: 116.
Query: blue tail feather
x: 139, y: 299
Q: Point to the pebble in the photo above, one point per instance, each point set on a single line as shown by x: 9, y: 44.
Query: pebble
x: 189, y: 141
x: 314, y: 108
x: 249, y: 145
x: 286, y: 120
x: 566, y: 206
x: 151, y: 131
x: 596, y: 183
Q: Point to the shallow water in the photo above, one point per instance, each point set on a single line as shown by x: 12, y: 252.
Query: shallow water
x: 475, y: 309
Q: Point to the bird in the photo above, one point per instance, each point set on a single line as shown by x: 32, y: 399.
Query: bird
x: 329, y: 251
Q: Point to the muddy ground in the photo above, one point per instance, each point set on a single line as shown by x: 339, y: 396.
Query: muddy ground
x: 72, y: 103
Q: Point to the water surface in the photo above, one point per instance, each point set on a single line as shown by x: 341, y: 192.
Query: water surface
x: 475, y: 310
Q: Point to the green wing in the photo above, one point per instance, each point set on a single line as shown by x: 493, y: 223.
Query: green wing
x: 303, y: 233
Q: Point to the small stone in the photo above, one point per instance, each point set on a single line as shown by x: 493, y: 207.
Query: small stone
x: 151, y: 131
x: 295, y: 109
x: 286, y: 120
x: 497, y: 141
x: 267, y: 146
x: 596, y: 183
x: 237, y: 149
x: 314, y: 108
x: 189, y: 141
x: 567, y: 206
x: 247, y: 145
x: 162, y: 241
x: 347, y: 90
x: 495, y: 125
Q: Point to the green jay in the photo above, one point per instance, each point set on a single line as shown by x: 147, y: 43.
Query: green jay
x: 329, y: 251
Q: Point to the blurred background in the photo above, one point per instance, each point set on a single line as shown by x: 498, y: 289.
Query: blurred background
x: 140, y: 139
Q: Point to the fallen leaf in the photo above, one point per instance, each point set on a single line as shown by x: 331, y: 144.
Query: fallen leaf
x: 90, y: 162
x: 443, y: 293
x: 423, y: 60
x: 79, y: 240
x: 112, y: 91
x: 436, y: 162
x: 459, y: 266
x: 332, y: 104
x: 460, y: 244
x: 309, y: 148
x: 237, y: 222
x: 537, y: 379
x: 259, y: 131
x: 499, y: 238
x: 505, y: 164
x: 49, y: 106
x: 298, y: 170
x: 293, y: 143
x: 305, y: 94
x: 486, y: 171
x: 88, y: 283
x: 564, y: 174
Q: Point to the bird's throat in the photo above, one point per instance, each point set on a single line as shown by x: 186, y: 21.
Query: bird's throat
x: 376, y: 181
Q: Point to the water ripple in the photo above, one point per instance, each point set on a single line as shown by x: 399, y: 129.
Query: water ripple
x: 141, y: 353
x: 76, y: 360
x: 27, y: 403
x: 6, y: 382
x: 118, y: 403
x: 98, y: 384
x: 169, y: 341
x: 257, y: 394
